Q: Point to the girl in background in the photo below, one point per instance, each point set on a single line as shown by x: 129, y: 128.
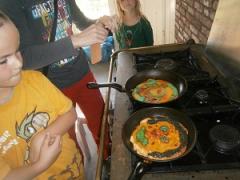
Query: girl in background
x: 134, y: 29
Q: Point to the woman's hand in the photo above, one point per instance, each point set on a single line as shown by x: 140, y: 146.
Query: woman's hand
x: 108, y: 22
x: 91, y: 35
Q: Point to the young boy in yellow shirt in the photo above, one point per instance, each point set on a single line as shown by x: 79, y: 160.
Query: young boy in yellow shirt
x: 35, y: 117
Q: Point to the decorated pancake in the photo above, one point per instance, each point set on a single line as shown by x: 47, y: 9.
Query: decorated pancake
x: 159, y: 139
x: 155, y: 91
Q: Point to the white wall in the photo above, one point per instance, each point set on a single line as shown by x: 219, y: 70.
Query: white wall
x: 170, y: 21
x: 161, y: 14
x: 112, y: 6
x: 226, y: 40
x: 94, y: 9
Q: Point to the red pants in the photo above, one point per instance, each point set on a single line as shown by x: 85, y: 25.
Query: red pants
x: 90, y: 101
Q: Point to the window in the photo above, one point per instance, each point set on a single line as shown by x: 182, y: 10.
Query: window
x: 94, y: 9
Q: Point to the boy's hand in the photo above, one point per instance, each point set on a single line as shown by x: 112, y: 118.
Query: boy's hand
x: 48, y: 151
x: 35, y: 146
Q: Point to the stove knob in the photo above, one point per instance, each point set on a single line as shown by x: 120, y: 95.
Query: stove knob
x: 202, y: 96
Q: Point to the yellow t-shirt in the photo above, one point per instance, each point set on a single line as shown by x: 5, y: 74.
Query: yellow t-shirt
x: 35, y: 104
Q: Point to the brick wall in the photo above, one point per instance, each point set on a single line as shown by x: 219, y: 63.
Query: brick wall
x: 194, y: 19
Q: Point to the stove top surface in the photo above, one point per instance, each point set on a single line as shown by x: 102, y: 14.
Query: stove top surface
x: 181, y: 62
x: 207, y: 103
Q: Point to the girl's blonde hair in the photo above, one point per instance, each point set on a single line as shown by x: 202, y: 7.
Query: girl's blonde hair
x: 120, y: 12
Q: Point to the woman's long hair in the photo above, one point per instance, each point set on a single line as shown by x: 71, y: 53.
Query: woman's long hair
x: 120, y: 12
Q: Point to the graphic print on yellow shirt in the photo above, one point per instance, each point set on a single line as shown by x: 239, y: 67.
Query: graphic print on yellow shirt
x: 32, y: 123
x: 34, y: 106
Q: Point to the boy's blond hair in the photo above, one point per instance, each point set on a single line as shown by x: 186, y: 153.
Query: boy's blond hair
x: 3, y: 17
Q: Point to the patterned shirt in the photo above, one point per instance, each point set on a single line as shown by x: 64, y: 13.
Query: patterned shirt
x: 138, y: 35
x: 35, y: 104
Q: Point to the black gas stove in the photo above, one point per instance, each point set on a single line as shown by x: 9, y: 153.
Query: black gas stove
x: 206, y: 102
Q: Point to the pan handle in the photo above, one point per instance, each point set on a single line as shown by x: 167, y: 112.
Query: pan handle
x: 138, y: 171
x: 93, y: 85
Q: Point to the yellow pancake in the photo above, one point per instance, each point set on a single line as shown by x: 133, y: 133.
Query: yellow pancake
x: 161, y: 137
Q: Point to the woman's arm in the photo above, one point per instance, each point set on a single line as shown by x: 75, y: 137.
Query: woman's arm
x: 83, y: 22
x: 35, y: 55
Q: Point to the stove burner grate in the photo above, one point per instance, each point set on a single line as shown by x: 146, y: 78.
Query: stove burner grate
x: 225, y: 138
x: 166, y: 64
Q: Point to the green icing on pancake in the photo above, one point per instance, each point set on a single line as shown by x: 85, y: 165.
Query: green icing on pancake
x: 155, y: 91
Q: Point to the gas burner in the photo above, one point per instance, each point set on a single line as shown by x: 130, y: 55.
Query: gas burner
x: 225, y: 138
x: 143, y: 66
x: 166, y: 64
x: 202, y: 96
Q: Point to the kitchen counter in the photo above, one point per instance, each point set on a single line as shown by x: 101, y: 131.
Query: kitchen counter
x: 120, y: 158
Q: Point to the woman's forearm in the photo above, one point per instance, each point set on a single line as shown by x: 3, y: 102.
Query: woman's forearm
x: 37, y: 56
